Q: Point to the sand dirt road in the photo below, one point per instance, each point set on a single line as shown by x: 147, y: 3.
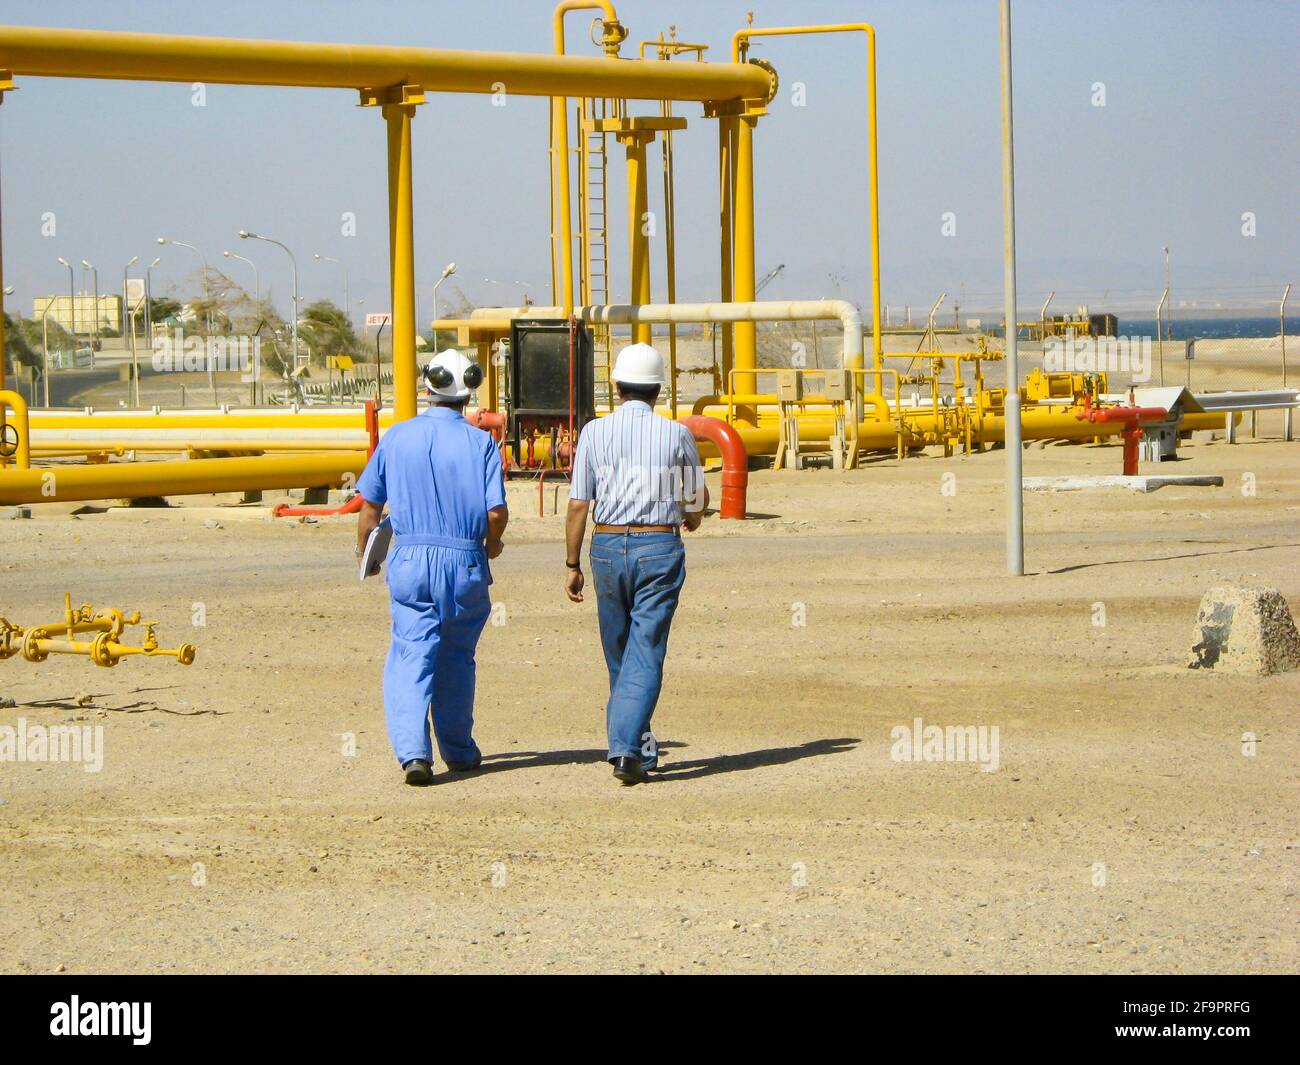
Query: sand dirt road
x: 1123, y: 830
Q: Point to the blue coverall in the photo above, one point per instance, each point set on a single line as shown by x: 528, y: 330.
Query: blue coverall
x: 439, y: 476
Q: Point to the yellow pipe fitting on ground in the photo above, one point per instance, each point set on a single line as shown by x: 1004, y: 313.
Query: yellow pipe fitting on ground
x: 36, y: 643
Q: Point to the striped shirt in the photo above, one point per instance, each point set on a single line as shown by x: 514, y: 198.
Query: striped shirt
x: 640, y: 468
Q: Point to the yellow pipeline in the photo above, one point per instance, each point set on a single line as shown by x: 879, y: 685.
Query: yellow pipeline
x: 738, y: 44
x: 61, y: 53
x: 69, y: 483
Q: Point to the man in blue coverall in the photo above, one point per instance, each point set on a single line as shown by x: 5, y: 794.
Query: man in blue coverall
x: 441, y: 479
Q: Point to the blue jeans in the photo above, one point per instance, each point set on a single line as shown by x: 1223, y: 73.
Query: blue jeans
x: 439, y: 605
x: 638, y: 581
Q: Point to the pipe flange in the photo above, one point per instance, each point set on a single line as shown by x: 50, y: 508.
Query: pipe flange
x: 99, y: 651
x: 30, y: 650
x: 773, y: 81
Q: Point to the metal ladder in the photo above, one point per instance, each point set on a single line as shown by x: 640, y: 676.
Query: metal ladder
x: 594, y: 239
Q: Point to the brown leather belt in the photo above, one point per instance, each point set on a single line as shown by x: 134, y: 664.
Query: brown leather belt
x: 634, y: 530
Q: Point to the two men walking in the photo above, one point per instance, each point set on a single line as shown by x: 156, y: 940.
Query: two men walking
x: 441, y: 479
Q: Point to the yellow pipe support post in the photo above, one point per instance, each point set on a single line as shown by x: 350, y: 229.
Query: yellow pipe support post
x: 726, y: 194
x: 638, y: 238
x: 739, y: 46
x: 6, y: 83
x: 746, y: 337
x: 397, y: 104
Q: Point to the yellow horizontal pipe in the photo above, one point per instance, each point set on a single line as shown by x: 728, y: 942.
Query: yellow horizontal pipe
x: 86, y: 447
x: 68, y: 53
x: 61, y: 484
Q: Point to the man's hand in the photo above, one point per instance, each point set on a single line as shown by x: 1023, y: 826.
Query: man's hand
x: 691, y: 520
x: 573, y: 583
x: 368, y: 517
x: 494, y: 548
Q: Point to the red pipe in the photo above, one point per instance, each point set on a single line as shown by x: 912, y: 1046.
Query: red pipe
x: 735, y: 463
x: 489, y: 421
x: 1132, y: 417
x: 353, y: 505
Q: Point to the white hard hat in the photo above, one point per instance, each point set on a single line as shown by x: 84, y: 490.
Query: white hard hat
x: 639, y: 364
x: 451, y: 375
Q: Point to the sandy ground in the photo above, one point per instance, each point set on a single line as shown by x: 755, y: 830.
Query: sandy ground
x: 1125, y: 828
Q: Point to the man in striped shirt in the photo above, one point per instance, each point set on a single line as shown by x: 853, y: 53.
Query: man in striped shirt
x: 643, y: 474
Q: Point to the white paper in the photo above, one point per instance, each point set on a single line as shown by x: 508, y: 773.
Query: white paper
x: 377, y: 544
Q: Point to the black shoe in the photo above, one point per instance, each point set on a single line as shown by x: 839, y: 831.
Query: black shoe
x: 419, y: 773
x: 630, y: 771
x: 466, y: 767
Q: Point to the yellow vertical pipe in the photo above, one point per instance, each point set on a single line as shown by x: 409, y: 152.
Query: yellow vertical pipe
x: 560, y: 148
x: 878, y: 350
x: 638, y: 200
x: 23, y: 454
x: 746, y: 353
x: 739, y: 45
x: 726, y: 191
x: 560, y: 138
x: 401, y: 250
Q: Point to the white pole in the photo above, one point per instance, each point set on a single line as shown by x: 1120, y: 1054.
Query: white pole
x: 1015, y: 485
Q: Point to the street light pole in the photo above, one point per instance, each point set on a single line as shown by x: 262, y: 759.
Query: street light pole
x: 94, y: 318
x: 129, y: 263
x: 206, y: 271
x: 72, y: 300
x: 447, y: 271
x: 245, y: 234
x: 257, y: 283
x: 148, y: 299
x: 1015, y: 472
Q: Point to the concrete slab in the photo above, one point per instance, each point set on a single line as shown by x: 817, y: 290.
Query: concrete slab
x: 1139, y: 483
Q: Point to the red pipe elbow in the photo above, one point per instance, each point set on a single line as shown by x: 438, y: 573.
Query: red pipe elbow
x: 735, y: 462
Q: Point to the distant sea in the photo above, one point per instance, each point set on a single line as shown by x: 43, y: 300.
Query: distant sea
x: 1209, y: 328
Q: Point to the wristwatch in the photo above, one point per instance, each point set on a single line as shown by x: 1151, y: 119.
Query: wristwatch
x: 573, y: 565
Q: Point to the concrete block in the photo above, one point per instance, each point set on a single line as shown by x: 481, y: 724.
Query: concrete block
x: 1245, y: 629
x: 14, y: 513
x: 1138, y: 483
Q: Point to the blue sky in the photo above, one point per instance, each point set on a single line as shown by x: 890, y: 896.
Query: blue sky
x: 1199, y: 126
